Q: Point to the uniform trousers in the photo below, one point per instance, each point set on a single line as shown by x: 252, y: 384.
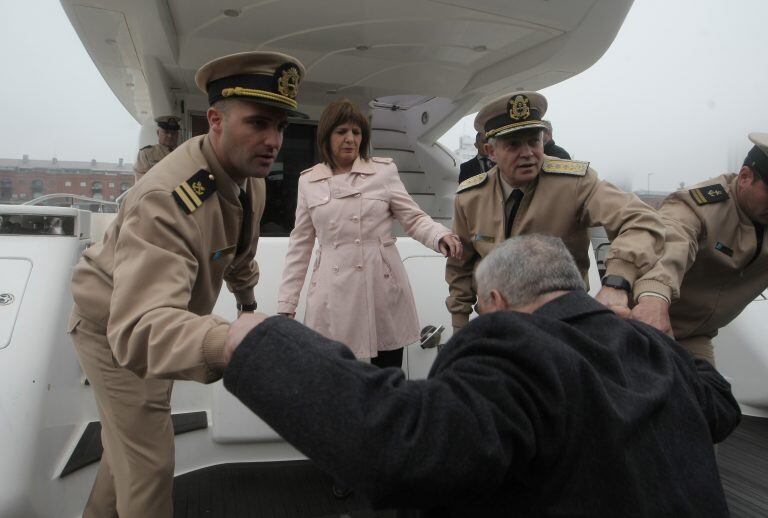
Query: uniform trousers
x: 135, y: 476
x: 700, y: 347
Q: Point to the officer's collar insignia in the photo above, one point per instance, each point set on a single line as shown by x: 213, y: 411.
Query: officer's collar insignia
x: 474, y: 181
x: 560, y: 166
x: 287, y: 78
x: 724, y: 249
x: 519, y: 107
x: 191, y: 194
x: 709, y: 194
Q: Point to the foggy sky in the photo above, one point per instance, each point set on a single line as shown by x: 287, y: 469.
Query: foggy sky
x: 675, y: 95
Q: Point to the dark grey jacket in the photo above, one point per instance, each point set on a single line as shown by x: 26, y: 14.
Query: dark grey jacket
x: 570, y: 411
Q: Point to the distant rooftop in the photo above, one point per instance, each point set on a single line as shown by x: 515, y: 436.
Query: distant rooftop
x: 64, y: 166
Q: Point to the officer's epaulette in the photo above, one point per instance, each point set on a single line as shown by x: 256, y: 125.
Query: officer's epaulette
x: 708, y: 194
x: 560, y: 166
x: 146, y: 147
x: 382, y: 159
x: 191, y: 194
x: 474, y: 181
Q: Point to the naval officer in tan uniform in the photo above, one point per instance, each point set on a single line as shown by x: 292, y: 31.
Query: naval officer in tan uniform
x: 529, y: 192
x: 167, y: 140
x: 716, y: 257
x: 143, y: 296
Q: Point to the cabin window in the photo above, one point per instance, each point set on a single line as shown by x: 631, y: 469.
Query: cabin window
x: 297, y: 154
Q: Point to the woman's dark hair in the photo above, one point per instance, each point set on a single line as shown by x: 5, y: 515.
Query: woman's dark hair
x: 334, y: 115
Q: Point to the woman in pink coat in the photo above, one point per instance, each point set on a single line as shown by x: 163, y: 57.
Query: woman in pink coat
x: 359, y: 292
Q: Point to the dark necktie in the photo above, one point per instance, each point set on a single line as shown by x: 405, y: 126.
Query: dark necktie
x: 759, y: 233
x: 245, y: 229
x: 511, y: 206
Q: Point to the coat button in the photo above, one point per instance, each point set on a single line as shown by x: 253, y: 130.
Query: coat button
x: 359, y: 267
x: 357, y: 241
x: 386, y: 276
x: 355, y: 218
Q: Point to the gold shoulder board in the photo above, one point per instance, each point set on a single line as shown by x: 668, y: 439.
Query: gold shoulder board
x: 471, y: 182
x: 191, y: 194
x: 382, y: 160
x: 708, y: 194
x: 560, y: 166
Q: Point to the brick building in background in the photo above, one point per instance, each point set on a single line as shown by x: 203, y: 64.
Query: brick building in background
x: 23, y: 179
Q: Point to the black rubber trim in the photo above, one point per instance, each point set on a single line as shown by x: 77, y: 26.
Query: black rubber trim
x: 88, y: 449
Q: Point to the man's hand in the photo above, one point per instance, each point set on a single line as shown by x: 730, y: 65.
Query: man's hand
x: 450, y: 246
x: 614, y: 299
x: 654, y: 311
x: 237, y: 331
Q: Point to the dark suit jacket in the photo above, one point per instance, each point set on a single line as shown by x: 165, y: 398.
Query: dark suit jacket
x: 552, y: 149
x: 471, y: 168
x: 569, y: 411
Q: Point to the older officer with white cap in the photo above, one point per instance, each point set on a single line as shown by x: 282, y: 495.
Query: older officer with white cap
x: 143, y: 296
x: 167, y: 140
x: 715, y: 257
x: 529, y: 192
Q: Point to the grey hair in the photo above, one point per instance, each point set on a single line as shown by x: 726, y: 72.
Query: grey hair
x: 524, y: 268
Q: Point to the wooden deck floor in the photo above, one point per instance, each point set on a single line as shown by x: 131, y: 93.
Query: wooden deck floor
x: 298, y: 489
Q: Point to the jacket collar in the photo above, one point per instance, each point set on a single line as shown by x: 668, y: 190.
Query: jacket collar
x: 572, y: 305
x: 322, y: 171
x: 224, y: 183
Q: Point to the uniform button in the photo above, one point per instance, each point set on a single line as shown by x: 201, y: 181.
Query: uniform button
x: 357, y: 241
x: 211, y: 177
x: 386, y: 276
x: 355, y: 218
x: 335, y: 244
x: 359, y: 266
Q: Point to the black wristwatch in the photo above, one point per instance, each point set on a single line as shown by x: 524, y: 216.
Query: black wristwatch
x: 247, y: 307
x: 618, y: 282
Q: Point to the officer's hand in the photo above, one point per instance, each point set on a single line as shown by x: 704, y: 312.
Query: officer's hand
x: 237, y: 331
x: 450, y: 246
x: 614, y: 299
x: 654, y: 311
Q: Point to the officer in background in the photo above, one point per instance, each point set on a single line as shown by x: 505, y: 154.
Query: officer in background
x: 167, y: 140
x: 715, y: 258
x: 529, y: 193
x: 550, y: 148
x: 144, y: 294
x: 481, y: 163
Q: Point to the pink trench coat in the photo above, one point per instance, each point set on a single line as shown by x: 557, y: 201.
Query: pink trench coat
x: 359, y: 292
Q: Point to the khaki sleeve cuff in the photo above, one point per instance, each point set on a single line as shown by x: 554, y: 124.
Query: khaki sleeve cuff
x: 649, y: 285
x: 213, y: 351
x: 621, y: 268
x: 459, y: 320
x: 245, y: 296
x: 285, y: 307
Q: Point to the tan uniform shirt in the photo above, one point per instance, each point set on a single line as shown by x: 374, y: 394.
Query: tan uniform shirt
x: 708, y: 259
x: 562, y: 204
x: 155, y: 277
x: 149, y: 156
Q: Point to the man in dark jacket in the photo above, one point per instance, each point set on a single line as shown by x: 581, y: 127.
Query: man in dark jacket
x: 550, y: 148
x: 481, y: 163
x: 548, y: 404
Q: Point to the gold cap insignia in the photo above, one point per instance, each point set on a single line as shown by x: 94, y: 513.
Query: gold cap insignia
x: 288, y: 82
x: 519, y: 108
